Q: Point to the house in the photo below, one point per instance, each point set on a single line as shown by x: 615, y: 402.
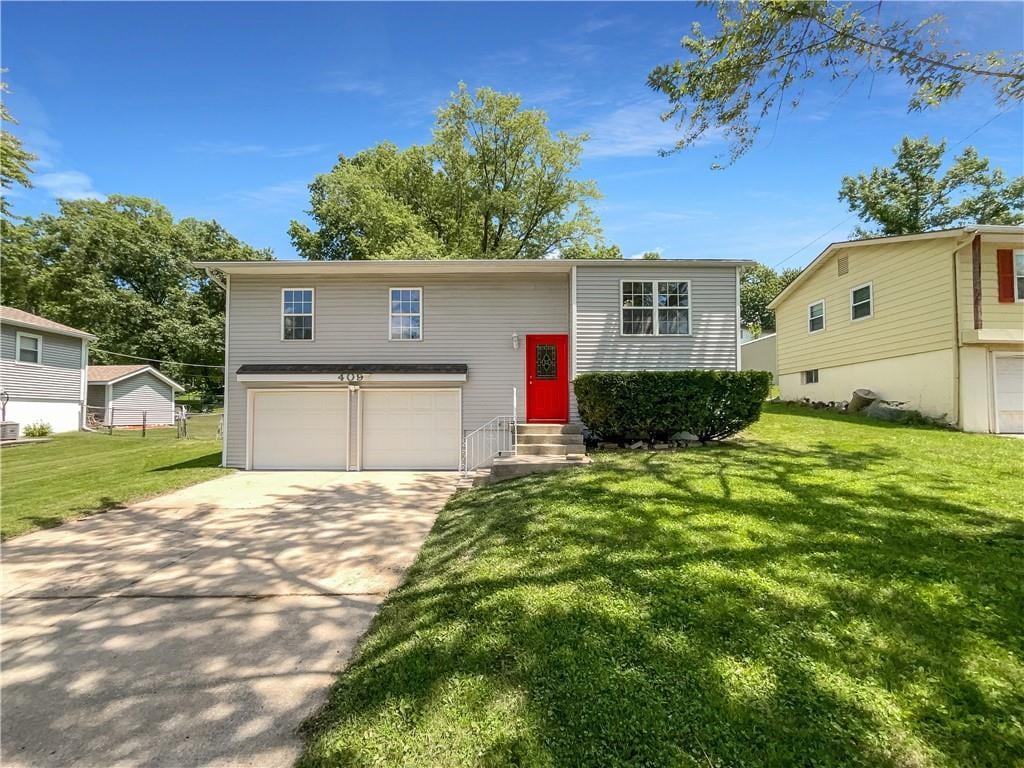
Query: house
x: 759, y: 355
x: 934, y: 320
x: 398, y: 364
x: 130, y: 395
x: 42, y: 370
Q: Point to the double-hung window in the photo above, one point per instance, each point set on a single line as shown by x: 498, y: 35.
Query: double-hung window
x: 297, y: 314
x: 861, y: 302
x: 655, y: 307
x: 29, y: 348
x: 816, y: 316
x: 406, y: 314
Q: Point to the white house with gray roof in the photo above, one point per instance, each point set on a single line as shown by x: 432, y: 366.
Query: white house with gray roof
x: 42, y: 370
x: 401, y: 364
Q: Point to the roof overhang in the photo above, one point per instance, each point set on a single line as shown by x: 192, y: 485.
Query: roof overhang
x: 47, y: 329
x: 964, y: 234
x: 148, y: 369
x: 352, y: 373
x: 448, y: 266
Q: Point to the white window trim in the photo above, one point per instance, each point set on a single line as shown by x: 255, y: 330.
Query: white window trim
x: 19, y: 335
x: 655, y: 283
x: 870, y: 286
x: 405, y: 314
x: 312, y: 314
x: 1016, y: 278
x: 803, y: 377
x: 823, y: 320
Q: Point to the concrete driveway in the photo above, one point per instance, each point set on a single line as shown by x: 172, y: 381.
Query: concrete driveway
x: 202, y: 627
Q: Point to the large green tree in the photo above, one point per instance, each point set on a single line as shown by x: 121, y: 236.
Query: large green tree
x: 121, y: 269
x: 493, y: 184
x: 759, y: 284
x: 912, y: 195
x: 15, y: 160
x: 762, y: 53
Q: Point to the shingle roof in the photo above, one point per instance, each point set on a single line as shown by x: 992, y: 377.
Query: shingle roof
x: 99, y: 374
x: 20, y: 317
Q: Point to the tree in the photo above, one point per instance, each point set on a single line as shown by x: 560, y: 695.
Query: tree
x: 650, y: 255
x: 745, y: 72
x: 493, y: 184
x: 910, y: 196
x: 759, y: 284
x: 121, y: 269
x: 15, y: 161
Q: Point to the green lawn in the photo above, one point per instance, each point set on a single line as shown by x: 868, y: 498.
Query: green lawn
x: 824, y: 591
x: 78, y: 473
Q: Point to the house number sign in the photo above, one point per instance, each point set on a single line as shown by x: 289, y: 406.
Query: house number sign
x: 351, y: 378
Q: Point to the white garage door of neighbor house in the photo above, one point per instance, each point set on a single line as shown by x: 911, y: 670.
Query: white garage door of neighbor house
x: 1010, y: 394
x: 411, y: 428
x: 300, y: 429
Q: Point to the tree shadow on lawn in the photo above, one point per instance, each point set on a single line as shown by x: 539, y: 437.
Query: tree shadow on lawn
x: 731, y: 605
x: 207, y: 460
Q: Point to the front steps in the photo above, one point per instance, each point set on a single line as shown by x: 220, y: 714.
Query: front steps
x: 539, y: 448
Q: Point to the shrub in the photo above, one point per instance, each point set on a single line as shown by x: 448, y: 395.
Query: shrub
x: 655, y: 405
x: 38, y: 429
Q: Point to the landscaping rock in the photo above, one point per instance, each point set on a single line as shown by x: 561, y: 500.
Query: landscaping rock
x: 884, y: 411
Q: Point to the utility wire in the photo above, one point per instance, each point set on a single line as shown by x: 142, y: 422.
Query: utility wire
x: 961, y: 141
x: 154, y: 360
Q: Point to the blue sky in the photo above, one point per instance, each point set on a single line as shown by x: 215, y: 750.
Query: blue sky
x: 228, y: 110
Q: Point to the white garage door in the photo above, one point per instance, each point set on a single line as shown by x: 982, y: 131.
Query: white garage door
x: 1010, y: 394
x: 411, y: 428
x: 300, y: 429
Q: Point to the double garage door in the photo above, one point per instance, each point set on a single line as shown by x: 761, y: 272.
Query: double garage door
x: 369, y: 429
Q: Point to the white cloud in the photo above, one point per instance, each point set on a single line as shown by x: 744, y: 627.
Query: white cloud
x: 289, y: 194
x: 233, y: 148
x: 632, y: 130
x: 658, y: 250
x: 68, y: 185
x: 343, y: 82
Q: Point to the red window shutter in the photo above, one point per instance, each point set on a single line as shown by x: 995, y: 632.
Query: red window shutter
x: 1004, y: 269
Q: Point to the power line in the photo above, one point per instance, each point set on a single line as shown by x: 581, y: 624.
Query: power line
x: 961, y: 141
x: 154, y: 360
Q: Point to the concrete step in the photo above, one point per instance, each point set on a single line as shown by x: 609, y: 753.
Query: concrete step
x: 549, y: 429
x: 520, y: 466
x: 574, y: 438
x: 547, y: 449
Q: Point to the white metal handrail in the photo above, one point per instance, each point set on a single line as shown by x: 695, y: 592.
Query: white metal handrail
x: 497, y: 437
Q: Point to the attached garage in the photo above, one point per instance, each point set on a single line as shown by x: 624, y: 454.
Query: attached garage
x: 411, y: 428
x: 299, y: 429
x: 1009, y: 394
x: 351, y: 417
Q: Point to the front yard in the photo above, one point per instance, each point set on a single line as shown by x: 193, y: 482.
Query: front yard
x: 829, y: 591
x: 78, y: 473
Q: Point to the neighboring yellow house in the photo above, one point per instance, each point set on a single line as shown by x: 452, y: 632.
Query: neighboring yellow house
x: 935, y: 320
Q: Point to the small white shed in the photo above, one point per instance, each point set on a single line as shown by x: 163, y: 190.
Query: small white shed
x: 125, y: 395
x: 759, y: 355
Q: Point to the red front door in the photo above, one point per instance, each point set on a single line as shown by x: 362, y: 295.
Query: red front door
x: 547, y: 377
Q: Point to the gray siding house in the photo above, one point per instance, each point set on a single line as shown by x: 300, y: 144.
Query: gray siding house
x: 392, y: 364
x: 42, y: 370
x: 126, y: 395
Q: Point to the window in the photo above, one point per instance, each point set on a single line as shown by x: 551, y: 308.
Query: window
x: 816, y: 316
x: 655, y: 308
x: 545, y: 362
x: 1018, y: 274
x: 29, y: 348
x: 406, y: 314
x: 860, y: 302
x: 811, y: 376
x: 297, y: 314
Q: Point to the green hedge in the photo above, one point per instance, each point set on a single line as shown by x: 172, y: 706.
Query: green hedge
x: 655, y: 405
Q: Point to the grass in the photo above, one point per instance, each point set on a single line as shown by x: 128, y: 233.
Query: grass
x: 79, y: 473
x: 825, y: 591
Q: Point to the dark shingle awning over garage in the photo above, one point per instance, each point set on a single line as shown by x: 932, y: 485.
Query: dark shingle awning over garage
x: 354, y: 368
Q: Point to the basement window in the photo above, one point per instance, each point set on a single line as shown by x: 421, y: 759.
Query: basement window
x: 810, y: 377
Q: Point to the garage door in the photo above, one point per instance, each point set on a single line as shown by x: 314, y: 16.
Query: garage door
x: 300, y: 429
x: 1010, y: 394
x: 411, y: 429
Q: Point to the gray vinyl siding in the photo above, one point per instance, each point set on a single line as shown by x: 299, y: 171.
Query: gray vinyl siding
x: 466, y: 319
x: 59, y: 377
x: 96, y: 396
x: 142, y: 393
x: 713, y: 321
